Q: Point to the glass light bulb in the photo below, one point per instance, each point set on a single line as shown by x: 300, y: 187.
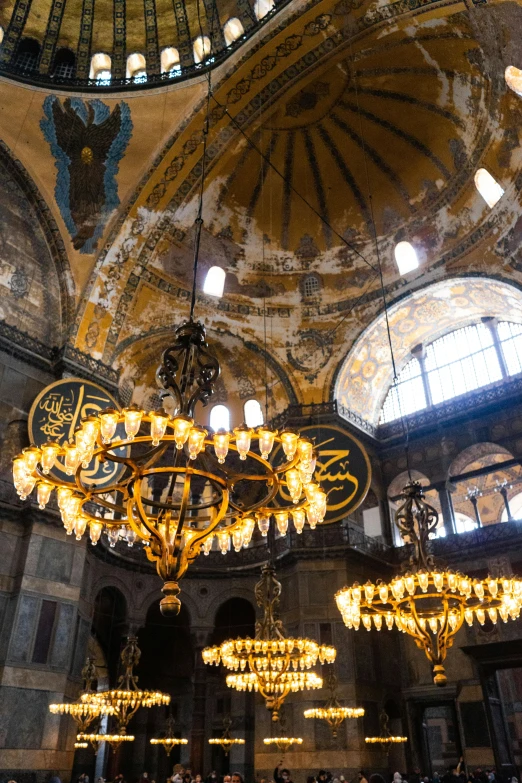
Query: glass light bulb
x: 158, y: 425
x: 433, y: 624
x: 312, y: 517
x: 63, y: 495
x: 320, y: 500
x: 481, y: 615
x: 50, y: 452
x: 243, y: 439
x: 289, y: 440
x: 493, y: 587
x: 281, y: 518
x: 492, y: 612
x: 409, y: 582
x: 114, y: 534
x: 132, y: 420
x: 305, y: 450
x: 299, y: 519
x: 108, y: 422
x: 266, y: 441
x: 91, y: 428
x: 293, y: 482
x: 95, y: 531
x: 182, y: 425
x: 438, y: 580
x: 207, y: 544
x: 131, y: 536
x: 383, y: 593
x: 31, y: 456
x: 72, y: 458
x: 26, y: 486
x: 249, y: 525
x: 80, y: 525
x: 237, y: 539
x: 310, y: 489
x: 369, y: 591
x: 468, y: 616
x: 196, y: 441
x: 221, y: 444
x: 423, y: 578
x: 479, y: 590
x: 43, y: 493
x: 20, y: 471
x: 223, y: 538
x: 263, y: 523
x: 452, y: 581
x: 377, y: 620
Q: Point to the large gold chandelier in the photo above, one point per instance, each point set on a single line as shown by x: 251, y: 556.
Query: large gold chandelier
x: 271, y: 663
x: 126, y: 699
x: 427, y: 602
x: 83, y: 712
x: 332, y: 712
x: 180, y: 487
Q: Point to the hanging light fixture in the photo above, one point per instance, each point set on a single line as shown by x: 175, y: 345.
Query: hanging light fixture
x: 126, y: 699
x: 332, y: 712
x: 271, y: 663
x: 386, y: 738
x: 283, y: 743
x: 169, y: 741
x: 226, y: 741
x: 162, y: 455
x: 427, y: 602
x: 83, y: 712
x: 114, y: 740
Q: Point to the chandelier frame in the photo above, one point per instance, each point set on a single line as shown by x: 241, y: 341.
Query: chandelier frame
x: 332, y: 712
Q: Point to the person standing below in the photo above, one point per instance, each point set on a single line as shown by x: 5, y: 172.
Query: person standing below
x: 282, y: 774
x: 362, y: 777
x: 237, y: 778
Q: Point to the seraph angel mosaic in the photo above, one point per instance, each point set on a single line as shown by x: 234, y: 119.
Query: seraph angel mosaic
x: 87, y: 141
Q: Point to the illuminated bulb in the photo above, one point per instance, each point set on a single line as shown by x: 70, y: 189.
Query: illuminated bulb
x: 310, y: 489
x: 72, y: 458
x: 367, y: 621
x: 91, y: 428
x: 196, y: 441
x: 63, y: 495
x: 243, y: 437
x: 43, y: 493
x: 95, y: 531
x: 158, y: 425
x: 305, y: 450
x: 31, y: 456
x: 248, y: 530
x: 492, y: 612
x: 299, y: 519
x: 182, y: 425
x: 389, y: 621
x: 320, y: 500
x: 481, y: 615
x: 131, y: 536
x: 113, y: 534
x: 263, y: 523
x: 305, y: 474
x: 479, y: 590
x: 409, y: 582
x: 289, y: 440
x: 312, y: 516
x: 266, y: 441
x: 281, y: 518
x: 433, y: 624
x: 19, y: 470
x: 221, y: 441
x: 468, y: 616
x: 493, y: 587
x: 398, y: 588
x: 377, y: 619
x: 369, y: 591
x: 383, y: 593
x: 207, y: 544
x: 453, y: 621
x: 26, y: 487
x: 465, y: 586
x: 356, y: 593
x: 223, y: 541
x: 438, y: 580
x: 50, y: 452
x: 237, y: 539
x: 108, y: 422
x: 80, y: 526
x: 423, y: 578
x: 132, y: 420
x: 293, y: 482
x: 452, y: 581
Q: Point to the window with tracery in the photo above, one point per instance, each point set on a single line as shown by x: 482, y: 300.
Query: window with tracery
x: 455, y: 364
x: 310, y: 285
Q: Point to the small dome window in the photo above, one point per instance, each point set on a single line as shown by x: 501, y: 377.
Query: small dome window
x: 310, y: 286
x: 253, y: 413
x: 214, y: 281
x: 101, y: 68
x: 170, y: 61
x: 263, y: 7
x: 220, y: 418
x: 27, y: 54
x: 488, y: 187
x: 202, y: 49
x: 406, y: 257
x: 513, y: 77
x: 64, y: 63
x: 233, y: 30
x: 136, y: 67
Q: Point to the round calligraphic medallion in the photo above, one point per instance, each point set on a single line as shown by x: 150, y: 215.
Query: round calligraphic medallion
x: 58, y: 411
x: 343, y: 469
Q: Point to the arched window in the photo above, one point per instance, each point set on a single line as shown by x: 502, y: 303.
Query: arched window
x: 233, y: 30
x: 1, y: 34
x: 253, y: 413
x: 101, y: 69
x: 64, y: 62
x: 27, y: 54
x: 202, y: 49
x: 488, y: 187
x: 513, y: 77
x: 263, y: 7
x: 406, y: 257
x: 220, y: 418
x: 136, y: 67
x: 170, y: 61
x: 310, y: 285
x: 463, y: 523
x: 515, y: 506
x: 214, y: 281
x: 457, y: 363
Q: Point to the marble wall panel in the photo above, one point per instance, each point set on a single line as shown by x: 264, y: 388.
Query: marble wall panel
x: 83, y: 631
x: 9, y: 548
x: 63, y: 636
x: 22, y: 636
x: 7, y: 624
x: 343, y: 639
x: 364, y: 659
x: 31, y: 709
x: 55, y: 561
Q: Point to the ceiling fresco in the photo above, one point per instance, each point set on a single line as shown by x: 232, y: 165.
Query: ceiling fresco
x: 370, y: 114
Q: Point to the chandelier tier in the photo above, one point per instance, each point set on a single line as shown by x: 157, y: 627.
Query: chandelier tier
x: 83, y: 712
x: 386, y: 738
x: 169, y: 741
x: 283, y: 743
x: 226, y: 741
x: 332, y: 712
x: 126, y: 699
x: 271, y: 663
x: 427, y: 602
x: 179, y: 487
x: 114, y: 740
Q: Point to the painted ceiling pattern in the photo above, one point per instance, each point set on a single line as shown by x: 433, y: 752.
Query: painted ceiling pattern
x: 369, y: 115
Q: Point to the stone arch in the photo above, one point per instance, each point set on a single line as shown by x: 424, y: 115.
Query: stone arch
x: 53, y: 263
x: 475, y: 452
x: 225, y: 595
x: 401, y: 479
